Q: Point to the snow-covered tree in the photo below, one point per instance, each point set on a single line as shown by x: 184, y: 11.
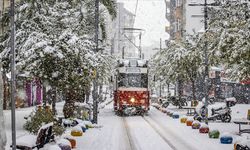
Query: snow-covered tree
x: 229, y: 37
x: 180, y: 61
x: 55, y: 44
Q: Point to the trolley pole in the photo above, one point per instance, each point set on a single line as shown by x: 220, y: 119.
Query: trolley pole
x: 206, y: 64
x: 95, y: 83
x: 13, y: 77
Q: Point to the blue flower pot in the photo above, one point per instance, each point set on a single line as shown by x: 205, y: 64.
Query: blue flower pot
x: 175, y: 116
x: 226, y: 140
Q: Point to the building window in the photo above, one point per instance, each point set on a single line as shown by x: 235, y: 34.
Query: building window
x: 178, y: 3
x: 178, y: 24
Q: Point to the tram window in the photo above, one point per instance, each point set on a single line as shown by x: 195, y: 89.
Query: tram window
x: 133, y: 80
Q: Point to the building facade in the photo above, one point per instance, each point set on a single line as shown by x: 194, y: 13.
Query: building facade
x: 122, y: 37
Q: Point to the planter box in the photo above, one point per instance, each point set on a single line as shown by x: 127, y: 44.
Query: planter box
x: 215, y: 134
x: 204, y: 130
x: 226, y: 140
x: 189, y: 122
x: 183, y: 120
x: 72, y: 142
x: 76, y: 133
x: 196, y: 125
x: 175, y: 116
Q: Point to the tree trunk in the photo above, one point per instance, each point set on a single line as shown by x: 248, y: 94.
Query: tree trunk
x: 44, y: 96
x: 87, y: 94
x: 100, y: 93
x: 2, y: 130
x: 168, y: 90
x: 69, y: 108
x: 5, y: 92
x: 54, y: 97
x: 180, y: 87
x: 193, y: 89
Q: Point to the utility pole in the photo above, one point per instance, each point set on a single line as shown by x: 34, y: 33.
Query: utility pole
x: 95, y: 83
x: 206, y: 63
x: 13, y: 77
x: 205, y: 54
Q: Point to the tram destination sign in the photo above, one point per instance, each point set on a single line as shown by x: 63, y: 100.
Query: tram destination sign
x: 133, y: 70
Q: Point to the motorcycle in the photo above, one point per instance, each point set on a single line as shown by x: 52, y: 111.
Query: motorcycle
x: 176, y: 101
x: 222, y: 113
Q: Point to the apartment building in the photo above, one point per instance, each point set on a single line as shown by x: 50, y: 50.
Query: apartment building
x: 122, y: 38
x: 185, y: 17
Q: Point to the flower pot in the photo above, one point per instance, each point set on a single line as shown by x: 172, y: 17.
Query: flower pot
x: 196, y: 125
x: 189, y: 122
x: 183, y: 120
x: 214, y: 134
x: 204, y: 129
x: 72, y: 142
x: 226, y: 140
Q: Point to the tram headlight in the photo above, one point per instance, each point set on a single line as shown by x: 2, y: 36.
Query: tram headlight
x: 132, y: 100
x: 142, y: 101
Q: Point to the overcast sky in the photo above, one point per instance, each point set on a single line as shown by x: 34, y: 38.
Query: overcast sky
x: 150, y: 16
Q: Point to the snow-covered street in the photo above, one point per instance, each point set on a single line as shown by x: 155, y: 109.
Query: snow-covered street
x: 155, y: 131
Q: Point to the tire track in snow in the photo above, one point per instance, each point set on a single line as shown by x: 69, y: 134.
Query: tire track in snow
x: 170, y: 136
x: 130, y: 139
x: 160, y: 134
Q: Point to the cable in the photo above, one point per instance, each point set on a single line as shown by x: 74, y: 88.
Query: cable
x: 136, y: 7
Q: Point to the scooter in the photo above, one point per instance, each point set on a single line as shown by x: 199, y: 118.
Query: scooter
x: 222, y: 113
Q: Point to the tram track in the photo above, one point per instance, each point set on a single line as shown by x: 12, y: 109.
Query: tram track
x: 168, y: 135
x: 163, y: 133
x: 159, y: 133
x: 132, y: 145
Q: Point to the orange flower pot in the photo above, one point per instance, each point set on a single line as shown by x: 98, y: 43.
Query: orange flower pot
x: 72, y: 142
x: 189, y: 122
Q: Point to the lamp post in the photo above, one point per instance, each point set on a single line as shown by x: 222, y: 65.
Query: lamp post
x: 95, y: 83
x: 13, y: 77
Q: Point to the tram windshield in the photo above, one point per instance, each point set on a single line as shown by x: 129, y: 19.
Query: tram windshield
x: 133, y: 80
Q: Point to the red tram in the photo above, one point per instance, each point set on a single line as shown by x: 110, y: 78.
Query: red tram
x: 131, y: 93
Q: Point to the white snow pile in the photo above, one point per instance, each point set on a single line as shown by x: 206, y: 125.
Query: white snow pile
x: 77, y: 128
x: 64, y: 142
x: 67, y: 121
x: 243, y: 140
x: 46, y: 126
x: 203, y: 125
x: 195, y: 122
x: 226, y: 134
x: 175, y: 113
x: 190, y: 119
x: 27, y: 140
x: 155, y: 105
x: 231, y: 99
x: 51, y: 147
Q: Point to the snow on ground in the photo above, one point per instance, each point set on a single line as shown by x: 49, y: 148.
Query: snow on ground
x: 117, y: 133
x: 183, y: 136
x: 143, y: 136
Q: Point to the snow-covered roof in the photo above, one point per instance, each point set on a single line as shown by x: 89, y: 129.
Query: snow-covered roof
x: 215, y: 68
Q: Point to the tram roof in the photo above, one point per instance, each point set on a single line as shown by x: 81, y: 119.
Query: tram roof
x: 133, y: 63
